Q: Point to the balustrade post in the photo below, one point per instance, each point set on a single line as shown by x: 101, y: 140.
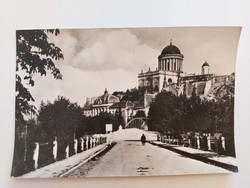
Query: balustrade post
x: 82, y: 147
x: 91, y: 142
x: 35, y: 155
x: 67, y: 151
x: 55, y: 146
x: 75, y: 146
x: 209, y: 143
x: 87, y: 143
x: 198, y: 142
x: 223, y: 143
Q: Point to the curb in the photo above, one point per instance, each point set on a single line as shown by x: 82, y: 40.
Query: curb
x: 81, y: 163
x: 226, y: 166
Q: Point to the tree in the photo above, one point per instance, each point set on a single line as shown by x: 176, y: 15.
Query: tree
x: 34, y: 55
x: 133, y: 94
x: 118, y: 119
x: 140, y: 113
x: 100, y: 121
x: 165, y: 114
x: 61, y: 119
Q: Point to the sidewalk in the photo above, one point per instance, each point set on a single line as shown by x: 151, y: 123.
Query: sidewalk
x: 209, y: 157
x: 59, y: 168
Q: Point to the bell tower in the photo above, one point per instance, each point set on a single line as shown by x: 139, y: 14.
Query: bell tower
x: 205, y: 68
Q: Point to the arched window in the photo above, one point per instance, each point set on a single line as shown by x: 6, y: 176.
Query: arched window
x: 169, y: 80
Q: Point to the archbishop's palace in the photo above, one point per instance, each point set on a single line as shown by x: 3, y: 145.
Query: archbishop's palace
x: 169, y: 76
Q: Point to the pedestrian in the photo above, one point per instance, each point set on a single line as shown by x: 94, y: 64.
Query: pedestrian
x: 143, y: 139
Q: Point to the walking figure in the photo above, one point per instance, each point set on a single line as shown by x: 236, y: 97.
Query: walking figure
x: 143, y: 139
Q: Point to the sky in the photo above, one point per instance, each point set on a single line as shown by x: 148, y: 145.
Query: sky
x: 95, y: 59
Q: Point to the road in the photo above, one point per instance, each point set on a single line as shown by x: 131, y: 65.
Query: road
x: 130, y: 158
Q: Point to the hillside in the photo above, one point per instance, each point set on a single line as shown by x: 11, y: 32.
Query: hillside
x: 222, y: 88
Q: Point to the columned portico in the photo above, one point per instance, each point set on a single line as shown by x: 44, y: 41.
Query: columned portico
x: 170, y: 59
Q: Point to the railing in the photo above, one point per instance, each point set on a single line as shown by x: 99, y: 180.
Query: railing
x: 42, y: 154
x: 208, y: 142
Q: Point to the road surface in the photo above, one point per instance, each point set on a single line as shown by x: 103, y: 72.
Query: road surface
x: 130, y: 158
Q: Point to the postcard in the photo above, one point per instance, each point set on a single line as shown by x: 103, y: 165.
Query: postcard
x: 115, y: 102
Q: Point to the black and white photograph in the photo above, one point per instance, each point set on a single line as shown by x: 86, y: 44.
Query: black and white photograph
x: 125, y: 102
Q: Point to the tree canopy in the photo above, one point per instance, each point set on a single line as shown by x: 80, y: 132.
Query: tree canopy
x: 60, y: 118
x: 169, y: 113
x: 34, y: 55
x: 133, y: 94
x: 140, y: 113
x: 165, y: 113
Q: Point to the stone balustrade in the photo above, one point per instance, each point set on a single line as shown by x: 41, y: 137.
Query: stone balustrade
x: 82, y: 144
x: 210, y: 142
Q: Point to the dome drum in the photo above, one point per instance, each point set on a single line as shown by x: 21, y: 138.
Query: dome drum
x: 170, y: 59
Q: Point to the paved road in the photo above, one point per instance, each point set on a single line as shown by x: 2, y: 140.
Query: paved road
x: 130, y: 158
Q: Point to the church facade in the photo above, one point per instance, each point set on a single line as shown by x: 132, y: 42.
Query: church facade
x: 170, y: 76
x: 170, y: 63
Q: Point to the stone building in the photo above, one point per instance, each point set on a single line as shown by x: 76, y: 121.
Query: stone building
x: 102, y: 103
x: 112, y: 104
x: 170, y: 65
x: 170, y: 76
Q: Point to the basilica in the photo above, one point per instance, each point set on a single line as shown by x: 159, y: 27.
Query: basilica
x: 169, y: 76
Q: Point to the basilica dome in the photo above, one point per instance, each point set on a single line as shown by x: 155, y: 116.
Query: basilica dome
x: 170, y: 49
x: 170, y: 59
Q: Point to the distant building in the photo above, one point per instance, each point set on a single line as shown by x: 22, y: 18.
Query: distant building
x: 95, y: 105
x: 169, y: 76
x: 170, y: 64
x: 112, y: 104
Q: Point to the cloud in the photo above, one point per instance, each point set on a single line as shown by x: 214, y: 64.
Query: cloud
x: 78, y: 84
x: 136, y: 49
x: 107, y: 50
